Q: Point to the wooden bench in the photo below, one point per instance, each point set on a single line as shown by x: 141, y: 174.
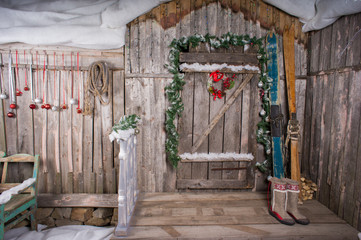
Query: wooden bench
x: 18, y: 200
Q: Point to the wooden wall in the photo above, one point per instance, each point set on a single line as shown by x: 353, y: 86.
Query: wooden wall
x: 147, y: 51
x: 75, y: 151
x: 332, y: 142
x: 76, y: 154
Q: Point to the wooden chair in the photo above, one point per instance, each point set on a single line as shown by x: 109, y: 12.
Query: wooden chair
x: 18, y: 200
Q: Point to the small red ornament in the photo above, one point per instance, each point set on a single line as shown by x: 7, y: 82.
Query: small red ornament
x: 19, y: 93
x: 47, y: 106
x: 64, y: 107
x: 43, y: 106
x: 32, y: 106
x: 26, y: 88
x: 78, y: 110
x: 13, y: 106
x: 11, y: 114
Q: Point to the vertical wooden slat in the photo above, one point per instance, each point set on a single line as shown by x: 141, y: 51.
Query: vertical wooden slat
x: 326, y: 121
x: 98, y: 147
x: 201, y: 109
x: 118, y: 108
x: 315, y: 128
x: 25, y: 126
x: 232, y: 130
x: 337, y: 137
x: 351, y: 147
x: 354, y: 50
x: 215, y: 141
x: 305, y: 166
x: 325, y: 48
x: 315, y: 51
x: 52, y: 123
x: 339, y: 41
x: 88, y: 147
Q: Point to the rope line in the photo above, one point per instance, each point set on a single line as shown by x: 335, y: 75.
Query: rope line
x: 98, y: 84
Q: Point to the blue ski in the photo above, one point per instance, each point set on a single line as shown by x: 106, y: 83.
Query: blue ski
x: 275, y: 115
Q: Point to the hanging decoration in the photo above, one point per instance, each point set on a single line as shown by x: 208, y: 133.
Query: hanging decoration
x: 3, y: 94
x: 38, y: 100
x: 26, y: 88
x: 78, y: 109
x: 12, y: 99
x: 63, y: 106
x: 227, y: 84
x: 55, y: 107
x: 32, y: 105
x: 18, y: 92
x: 174, y: 89
x: 45, y: 105
x: 73, y: 101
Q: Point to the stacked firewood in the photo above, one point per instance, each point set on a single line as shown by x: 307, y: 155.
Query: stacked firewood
x: 307, y: 189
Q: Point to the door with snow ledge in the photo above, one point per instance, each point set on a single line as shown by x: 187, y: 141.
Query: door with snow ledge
x: 218, y: 135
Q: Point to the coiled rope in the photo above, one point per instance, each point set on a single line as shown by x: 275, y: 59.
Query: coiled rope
x: 97, y: 84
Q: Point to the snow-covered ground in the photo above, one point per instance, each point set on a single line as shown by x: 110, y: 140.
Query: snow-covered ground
x: 71, y: 232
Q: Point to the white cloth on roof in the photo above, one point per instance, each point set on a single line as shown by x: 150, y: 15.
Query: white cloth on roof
x: 92, y: 24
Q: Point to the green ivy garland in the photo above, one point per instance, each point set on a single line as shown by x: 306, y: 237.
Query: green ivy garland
x: 174, y: 89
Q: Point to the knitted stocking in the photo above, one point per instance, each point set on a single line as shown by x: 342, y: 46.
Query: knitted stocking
x: 292, y: 201
x: 279, y: 197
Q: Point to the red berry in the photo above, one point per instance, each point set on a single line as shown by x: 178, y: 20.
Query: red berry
x: 47, y: 106
x: 18, y: 93
x: 64, y: 106
x: 32, y: 106
x: 43, y: 106
x: 13, y: 106
x: 26, y: 88
x: 78, y: 110
x: 11, y: 114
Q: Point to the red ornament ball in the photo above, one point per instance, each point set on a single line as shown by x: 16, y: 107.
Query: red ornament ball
x: 79, y: 111
x: 13, y: 106
x: 43, y: 106
x: 64, y: 106
x: 26, y: 88
x: 47, y: 106
x: 11, y: 114
x: 32, y: 106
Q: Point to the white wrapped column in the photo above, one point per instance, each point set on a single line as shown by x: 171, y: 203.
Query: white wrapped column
x: 127, y: 190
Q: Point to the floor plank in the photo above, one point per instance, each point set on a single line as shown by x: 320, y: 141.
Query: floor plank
x: 241, y: 215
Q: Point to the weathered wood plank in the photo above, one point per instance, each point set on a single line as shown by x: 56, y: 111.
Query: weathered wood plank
x: 337, y: 138
x: 78, y: 200
x: 229, y: 58
x: 354, y: 50
x: 350, y: 162
x: 339, y: 40
x: 215, y: 141
x: 325, y: 48
x: 225, y: 107
x: 315, y: 51
x: 232, y: 130
x: 185, y: 126
x: 326, y: 120
x: 200, y: 121
x: 211, y: 184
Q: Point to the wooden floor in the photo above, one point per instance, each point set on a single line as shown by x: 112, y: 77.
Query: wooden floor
x: 228, y: 216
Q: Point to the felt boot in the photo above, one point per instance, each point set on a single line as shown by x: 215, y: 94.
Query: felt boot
x: 278, y: 202
x: 292, y: 201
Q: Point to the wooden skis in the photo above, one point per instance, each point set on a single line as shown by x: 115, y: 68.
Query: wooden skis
x: 275, y: 115
x: 293, y: 125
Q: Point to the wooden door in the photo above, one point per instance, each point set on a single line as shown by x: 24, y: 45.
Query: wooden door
x: 231, y: 133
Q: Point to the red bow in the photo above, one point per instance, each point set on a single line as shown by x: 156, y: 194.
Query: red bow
x: 216, y: 75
